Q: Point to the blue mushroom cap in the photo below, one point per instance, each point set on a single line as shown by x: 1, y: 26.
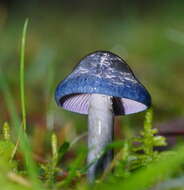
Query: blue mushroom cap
x: 102, y: 72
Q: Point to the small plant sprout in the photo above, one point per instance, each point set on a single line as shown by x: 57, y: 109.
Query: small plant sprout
x: 101, y: 86
x: 6, y: 131
x: 144, y: 145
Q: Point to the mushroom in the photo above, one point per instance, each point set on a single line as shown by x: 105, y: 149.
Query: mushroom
x: 101, y: 86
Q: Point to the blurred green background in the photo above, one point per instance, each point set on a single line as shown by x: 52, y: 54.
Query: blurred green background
x: 149, y: 35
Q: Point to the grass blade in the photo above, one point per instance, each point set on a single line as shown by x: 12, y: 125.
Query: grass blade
x: 22, y: 61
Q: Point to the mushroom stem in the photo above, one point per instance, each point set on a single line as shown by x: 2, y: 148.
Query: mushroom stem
x: 100, y: 134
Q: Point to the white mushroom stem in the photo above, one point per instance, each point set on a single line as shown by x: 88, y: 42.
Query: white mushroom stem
x: 100, y: 134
